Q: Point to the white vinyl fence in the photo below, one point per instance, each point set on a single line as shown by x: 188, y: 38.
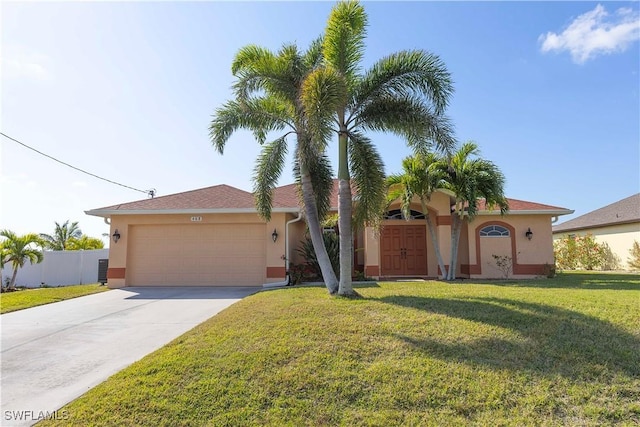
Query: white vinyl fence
x: 59, y: 268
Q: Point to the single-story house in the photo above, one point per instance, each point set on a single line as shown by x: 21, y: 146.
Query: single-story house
x: 617, y: 225
x: 214, y: 236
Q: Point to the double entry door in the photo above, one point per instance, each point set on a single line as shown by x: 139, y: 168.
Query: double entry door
x: 404, y: 250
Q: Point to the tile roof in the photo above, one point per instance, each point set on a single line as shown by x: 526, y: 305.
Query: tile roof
x: 227, y: 198
x: 522, y: 205
x: 621, y: 212
x: 216, y: 197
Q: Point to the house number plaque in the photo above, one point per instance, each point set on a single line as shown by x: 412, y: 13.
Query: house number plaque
x: 196, y: 219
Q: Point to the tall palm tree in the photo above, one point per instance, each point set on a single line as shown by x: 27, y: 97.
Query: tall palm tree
x: 403, y: 93
x: 62, y: 235
x: 420, y: 177
x: 471, y: 178
x: 17, y: 250
x: 267, y: 99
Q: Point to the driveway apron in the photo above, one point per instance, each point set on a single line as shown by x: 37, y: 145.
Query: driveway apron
x: 54, y: 353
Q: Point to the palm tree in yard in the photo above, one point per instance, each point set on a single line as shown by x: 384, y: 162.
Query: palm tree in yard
x: 267, y: 99
x: 470, y: 178
x: 420, y: 177
x: 17, y: 250
x: 85, y: 242
x: 403, y: 93
x: 62, y: 236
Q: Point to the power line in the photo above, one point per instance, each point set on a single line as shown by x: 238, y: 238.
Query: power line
x: 150, y: 193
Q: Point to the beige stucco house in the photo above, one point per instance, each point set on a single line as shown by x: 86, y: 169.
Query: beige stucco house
x: 617, y: 225
x: 214, y: 236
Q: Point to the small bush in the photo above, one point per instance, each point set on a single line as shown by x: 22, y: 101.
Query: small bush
x: 504, y: 264
x: 572, y: 253
x: 634, y: 259
x: 549, y: 270
x: 332, y: 243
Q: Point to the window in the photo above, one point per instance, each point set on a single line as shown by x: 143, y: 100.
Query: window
x: 397, y: 214
x: 494, y: 231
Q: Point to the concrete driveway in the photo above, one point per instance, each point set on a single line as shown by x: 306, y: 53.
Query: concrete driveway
x: 54, y: 353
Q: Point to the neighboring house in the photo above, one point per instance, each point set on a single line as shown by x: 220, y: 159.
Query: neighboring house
x: 214, y: 236
x: 617, y: 225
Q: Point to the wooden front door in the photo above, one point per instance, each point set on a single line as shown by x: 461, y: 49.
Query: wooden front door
x: 404, y: 250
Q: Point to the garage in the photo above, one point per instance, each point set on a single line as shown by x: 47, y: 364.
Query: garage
x: 196, y: 255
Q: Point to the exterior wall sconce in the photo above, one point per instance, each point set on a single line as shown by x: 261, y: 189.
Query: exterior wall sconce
x: 274, y: 235
x: 529, y: 233
x: 116, y: 236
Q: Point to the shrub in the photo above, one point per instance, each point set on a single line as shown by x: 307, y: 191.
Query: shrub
x: 332, y: 244
x: 584, y: 252
x: 504, y: 264
x: 634, y: 260
x: 299, y: 273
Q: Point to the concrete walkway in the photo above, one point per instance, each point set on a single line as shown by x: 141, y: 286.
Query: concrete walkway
x: 54, y: 353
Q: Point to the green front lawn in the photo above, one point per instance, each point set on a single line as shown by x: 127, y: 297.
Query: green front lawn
x: 26, y: 298
x: 562, y: 351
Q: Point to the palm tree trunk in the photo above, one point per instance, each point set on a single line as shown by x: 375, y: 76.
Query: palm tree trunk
x: 436, y: 246
x: 346, y: 240
x: 455, y: 239
x: 313, y: 222
x: 12, y: 284
x: 344, y: 215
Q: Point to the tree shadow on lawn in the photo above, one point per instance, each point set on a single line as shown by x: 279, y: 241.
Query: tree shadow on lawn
x: 551, y: 340
x: 626, y: 282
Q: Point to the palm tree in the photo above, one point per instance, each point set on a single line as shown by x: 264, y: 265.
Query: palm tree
x: 421, y: 177
x: 84, y: 243
x: 267, y: 98
x: 470, y: 178
x: 19, y: 249
x: 61, y: 237
x: 403, y: 93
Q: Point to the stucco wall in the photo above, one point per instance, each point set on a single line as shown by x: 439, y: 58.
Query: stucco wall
x: 529, y: 257
x: 274, y: 251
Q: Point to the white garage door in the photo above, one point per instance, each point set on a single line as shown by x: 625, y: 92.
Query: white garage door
x: 196, y: 255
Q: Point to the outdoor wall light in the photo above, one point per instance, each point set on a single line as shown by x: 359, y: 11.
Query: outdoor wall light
x: 274, y: 235
x: 116, y: 236
x: 529, y: 233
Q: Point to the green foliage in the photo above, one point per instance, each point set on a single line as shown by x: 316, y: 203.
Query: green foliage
x: 559, y: 352
x: 299, y: 273
x: 634, y: 260
x: 306, y: 250
x: 17, y: 250
x: 85, y: 243
x: 62, y: 236
x: 584, y: 252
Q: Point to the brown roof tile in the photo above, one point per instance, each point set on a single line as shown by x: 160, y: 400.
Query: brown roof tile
x: 216, y: 197
x: 522, y: 205
x: 227, y: 197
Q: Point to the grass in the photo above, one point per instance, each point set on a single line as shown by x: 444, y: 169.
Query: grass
x: 26, y: 298
x: 552, y: 352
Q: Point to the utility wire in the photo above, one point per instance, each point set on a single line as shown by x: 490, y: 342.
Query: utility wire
x: 150, y: 193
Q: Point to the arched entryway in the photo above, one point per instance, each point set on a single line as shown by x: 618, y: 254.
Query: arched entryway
x: 495, y: 238
x: 403, y: 245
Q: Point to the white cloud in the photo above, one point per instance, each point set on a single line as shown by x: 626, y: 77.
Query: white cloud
x: 17, y: 63
x: 79, y: 184
x: 595, y: 33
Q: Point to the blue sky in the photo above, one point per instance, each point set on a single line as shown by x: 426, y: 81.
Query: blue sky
x: 125, y: 90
